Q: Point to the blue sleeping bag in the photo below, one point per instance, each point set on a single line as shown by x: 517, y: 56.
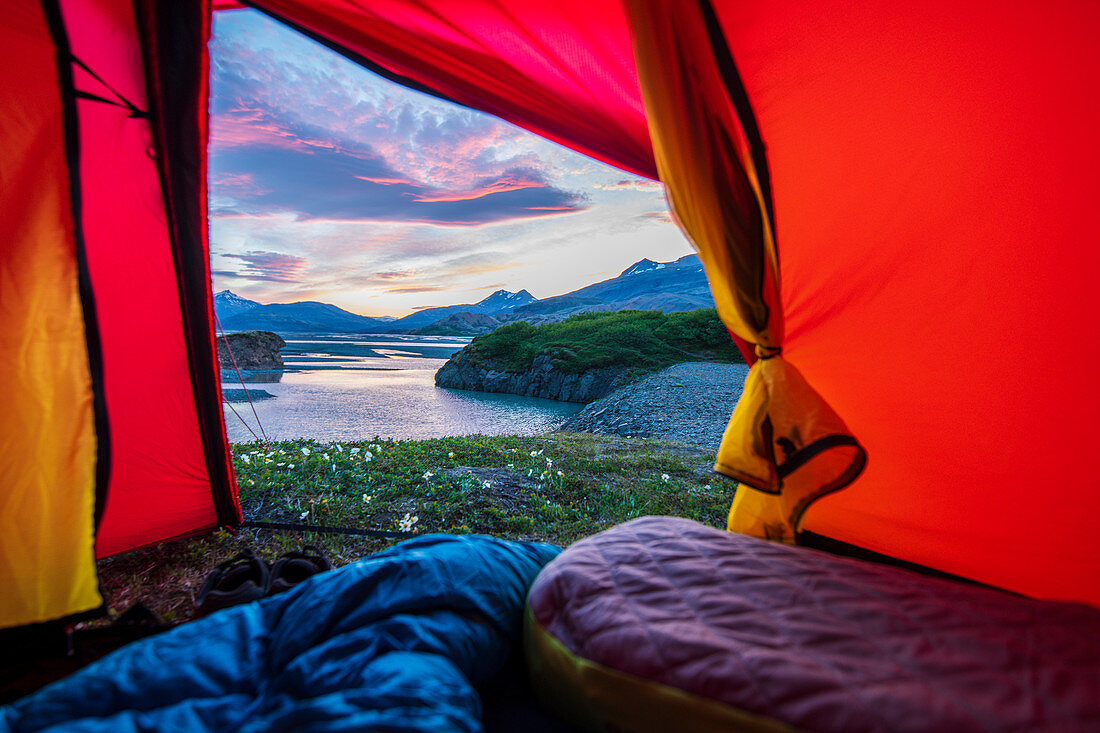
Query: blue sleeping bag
x: 394, y: 642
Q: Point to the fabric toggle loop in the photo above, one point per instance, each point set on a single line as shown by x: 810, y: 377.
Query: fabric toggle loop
x: 767, y: 352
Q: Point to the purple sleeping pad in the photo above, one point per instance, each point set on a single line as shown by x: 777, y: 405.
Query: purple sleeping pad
x: 818, y: 642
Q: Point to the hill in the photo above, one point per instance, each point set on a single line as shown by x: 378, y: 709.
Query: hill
x: 240, y: 314
x: 585, y: 356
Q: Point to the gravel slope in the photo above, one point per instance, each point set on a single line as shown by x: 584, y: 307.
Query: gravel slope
x: 688, y: 403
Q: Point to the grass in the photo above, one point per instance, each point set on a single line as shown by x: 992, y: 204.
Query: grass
x: 555, y: 488
x: 646, y: 341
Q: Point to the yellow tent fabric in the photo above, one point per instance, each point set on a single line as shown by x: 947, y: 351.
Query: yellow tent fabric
x: 47, y: 437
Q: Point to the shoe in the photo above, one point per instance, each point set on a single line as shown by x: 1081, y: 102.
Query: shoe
x: 240, y: 579
x: 294, y: 567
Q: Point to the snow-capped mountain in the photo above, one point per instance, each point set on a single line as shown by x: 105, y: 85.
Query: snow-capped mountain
x: 228, y: 304
x: 502, y: 300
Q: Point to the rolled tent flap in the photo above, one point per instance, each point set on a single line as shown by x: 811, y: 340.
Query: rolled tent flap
x: 783, y: 439
x: 48, y: 442
x: 787, y: 443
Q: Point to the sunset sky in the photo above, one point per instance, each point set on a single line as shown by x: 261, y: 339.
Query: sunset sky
x: 329, y: 183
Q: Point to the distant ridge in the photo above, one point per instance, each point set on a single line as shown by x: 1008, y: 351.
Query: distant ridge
x: 240, y: 314
x: 670, y: 287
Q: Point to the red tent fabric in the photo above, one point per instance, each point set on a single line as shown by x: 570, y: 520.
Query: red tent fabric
x: 138, y: 272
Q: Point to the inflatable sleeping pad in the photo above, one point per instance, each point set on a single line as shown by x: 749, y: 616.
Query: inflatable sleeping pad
x: 664, y: 624
x: 394, y: 642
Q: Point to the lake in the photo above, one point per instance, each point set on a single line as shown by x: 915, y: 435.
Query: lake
x: 356, y: 387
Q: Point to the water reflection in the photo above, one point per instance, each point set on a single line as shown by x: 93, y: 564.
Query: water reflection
x: 343, y: 388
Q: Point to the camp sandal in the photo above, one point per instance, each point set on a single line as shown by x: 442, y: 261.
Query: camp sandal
x: 294, y: 567
x: 240, y: 579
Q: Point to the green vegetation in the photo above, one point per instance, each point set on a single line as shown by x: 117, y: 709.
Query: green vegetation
x: 555, y: 488
x: 647, y: 341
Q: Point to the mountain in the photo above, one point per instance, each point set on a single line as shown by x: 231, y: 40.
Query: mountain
x: 500, y: 302
x: 646, y: 285
x: 228, y: 304
x: 239, y: 314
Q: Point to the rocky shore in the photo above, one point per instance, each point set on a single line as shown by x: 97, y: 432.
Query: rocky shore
x: 541, y: 380
x: 688, y: 403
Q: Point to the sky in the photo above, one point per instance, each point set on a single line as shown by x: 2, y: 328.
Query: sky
x: 330, y: 183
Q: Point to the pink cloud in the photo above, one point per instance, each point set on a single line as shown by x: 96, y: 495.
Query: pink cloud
x: 508, y: 183
x: 385, y: 181
x: 271, y: 266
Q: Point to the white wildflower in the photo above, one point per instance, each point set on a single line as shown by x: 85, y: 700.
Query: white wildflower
x: 427, y: 475
x: 451, y: 454
x: 511, y: 465
x: 246, y: 459
x: 326, y: 456
x: 530, y: 471
x: 487, y: 484
x: 279, y: 465
x: 353, y: 451
x: 305, y: 451
x: 367, y: 498
x: 549, y: 463
x: 339, y: 448
x: 560, y: 473
x: 707, y: 487
x: 290, y: 465
x: 664, y: 477
x: 407, y: 522
x: 304, y: 514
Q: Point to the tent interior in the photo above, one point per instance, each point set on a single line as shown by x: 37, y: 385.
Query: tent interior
x: 894, y: 205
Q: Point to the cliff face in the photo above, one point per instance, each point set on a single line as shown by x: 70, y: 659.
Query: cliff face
x: 541, y: 380
x: 252, y: 350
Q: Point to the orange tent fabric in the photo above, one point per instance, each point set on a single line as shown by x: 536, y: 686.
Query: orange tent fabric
x: 931, y: 171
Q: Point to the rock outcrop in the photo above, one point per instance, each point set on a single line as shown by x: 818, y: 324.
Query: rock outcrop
x: 543, y: 379
x: 251, y: 349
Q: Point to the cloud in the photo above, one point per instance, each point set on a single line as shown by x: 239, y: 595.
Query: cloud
x: 632, y: 184
x: 662, y: 216
x: 329, y: 183
x: 294, y: 132
x: 419, y: 289
x: 269, y: 266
